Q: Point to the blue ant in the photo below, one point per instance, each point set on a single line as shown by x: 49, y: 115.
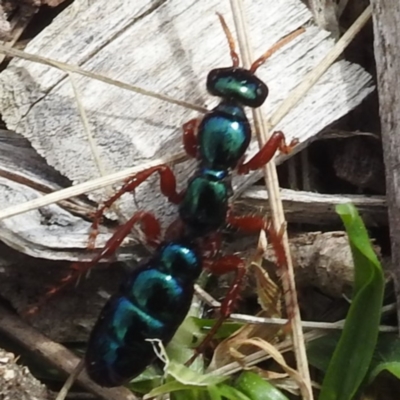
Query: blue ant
x: 156, y: 297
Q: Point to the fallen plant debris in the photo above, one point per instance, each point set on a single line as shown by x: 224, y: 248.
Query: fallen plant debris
x: 16, y: 382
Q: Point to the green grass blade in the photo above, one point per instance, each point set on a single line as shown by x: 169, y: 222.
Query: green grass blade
x: 387, y: 357
x: 257, y: 388
x: 353, y: 354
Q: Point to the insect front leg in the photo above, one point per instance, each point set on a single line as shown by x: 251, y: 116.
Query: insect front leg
x: 150, y: 227
x: 167, y: 187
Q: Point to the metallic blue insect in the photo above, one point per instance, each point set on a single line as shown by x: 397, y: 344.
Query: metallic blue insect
x: 155, y: 298
x: 150, y: 305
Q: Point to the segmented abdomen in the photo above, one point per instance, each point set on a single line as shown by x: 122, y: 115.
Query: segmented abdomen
x: 150, y: 305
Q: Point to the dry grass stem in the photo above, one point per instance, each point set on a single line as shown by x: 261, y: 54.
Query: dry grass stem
x: 86, y: 128
x: 284, y: 346
x: 93, y: 75
x: 311, y: 78
x: 277, y: 213
x: 87, y: 187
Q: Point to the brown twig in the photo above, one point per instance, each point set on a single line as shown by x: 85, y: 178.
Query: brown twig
x: 54, y: 354
x: 271, y: 179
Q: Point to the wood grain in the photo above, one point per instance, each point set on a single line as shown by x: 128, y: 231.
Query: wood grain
x: 167, y: 47
x: 386, y: 17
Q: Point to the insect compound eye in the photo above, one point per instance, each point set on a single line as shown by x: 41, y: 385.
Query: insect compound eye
x: 239, y: 84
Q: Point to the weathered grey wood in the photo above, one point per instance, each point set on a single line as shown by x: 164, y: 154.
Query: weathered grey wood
x: 386, y: 17
x: 326, y: 15
x: 51, y: 232
x: 167, y: 47
x: 54, y: 233
x: 315, y: 208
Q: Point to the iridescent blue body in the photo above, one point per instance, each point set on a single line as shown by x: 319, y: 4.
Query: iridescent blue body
x: 237, y: 84
x: 155, y: 299
x: 223, y: 137
x: 205, y: 204
x: 151, y: 304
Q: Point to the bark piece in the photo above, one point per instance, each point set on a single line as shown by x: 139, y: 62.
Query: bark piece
x: 56, y: 355
x: 361, y: 164
x: 66, y: 317
x: 314, y: 208
x: 386, y: 19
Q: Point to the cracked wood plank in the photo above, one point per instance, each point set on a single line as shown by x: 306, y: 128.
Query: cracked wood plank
x: 168, y: 47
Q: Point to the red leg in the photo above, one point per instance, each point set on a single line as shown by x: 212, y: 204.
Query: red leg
x: 151, y: 228
x: 248, y: 224
x: 149, y: 225
x: 275, y: 239
x: 276, y: 142
x: 167, y: 186
x: 189, y: 137
x: 252, y: 224
x: 219, y: 267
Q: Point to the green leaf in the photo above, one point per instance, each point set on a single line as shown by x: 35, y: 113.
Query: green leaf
x: 353, y: 354
x: 257, y: 388
x: 226, y: 329
x: 179, y: 391
x: 190, y: 394
x: 230, y: 393
x: 180, y: 349
x: 189, y: 377
x: 185, y: 378
x: 387, y: 357
x: 173, y: 386
x: 319, y: 351
x: 214, y: 393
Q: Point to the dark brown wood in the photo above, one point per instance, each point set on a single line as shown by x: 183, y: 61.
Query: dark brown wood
x: 386, y: 18
x: 360, y: 163
x: 54, y: 354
